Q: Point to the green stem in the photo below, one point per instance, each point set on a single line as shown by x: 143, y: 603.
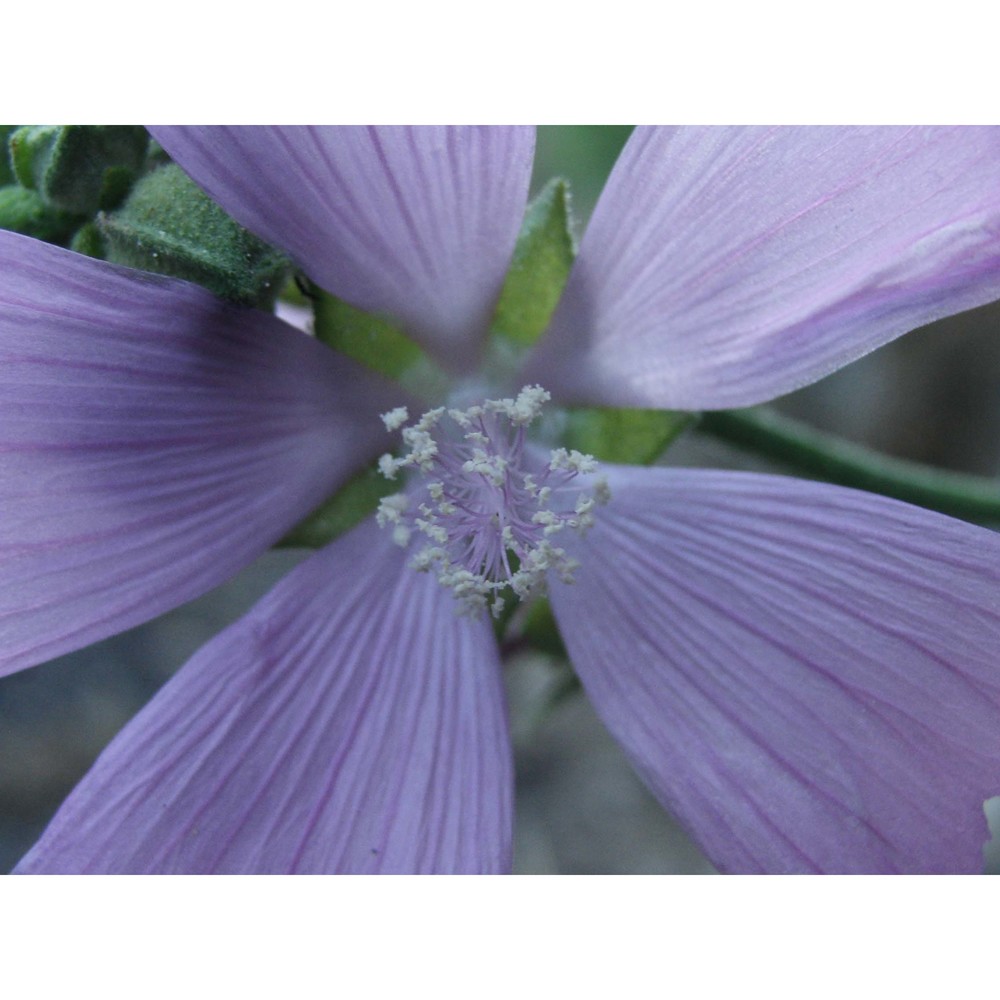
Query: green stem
x: 835, y: 460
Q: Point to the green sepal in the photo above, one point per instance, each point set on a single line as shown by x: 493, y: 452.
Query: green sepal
x: 79, y: 168
x: 627, y: 437
x: 373, y: 341
x: 170, y: 226
x: 6, y: 167
x: 539, y: 268
x: 24, y: 211
x: 354, y: 501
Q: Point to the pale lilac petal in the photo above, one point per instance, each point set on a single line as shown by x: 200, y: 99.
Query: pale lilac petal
x: 726, y: 266
x: 806, y: 676
x: 153, y: 440
x: 416, y: 222
x: 351, y: 722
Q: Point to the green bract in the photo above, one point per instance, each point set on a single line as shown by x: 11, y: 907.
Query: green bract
x: 170, y: 226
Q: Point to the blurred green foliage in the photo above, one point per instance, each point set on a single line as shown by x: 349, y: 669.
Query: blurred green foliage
x: 583, y: 154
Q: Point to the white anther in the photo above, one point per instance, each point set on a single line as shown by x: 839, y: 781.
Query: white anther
x: 395, y: 419
x: 389, y: 466
x: 528, y: 404
x: 391, y: 509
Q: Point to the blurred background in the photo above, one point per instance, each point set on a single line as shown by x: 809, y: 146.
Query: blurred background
x: 932, y: 396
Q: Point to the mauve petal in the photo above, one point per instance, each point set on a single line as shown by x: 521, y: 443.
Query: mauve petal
x: 153, y: 440
x: 807, y: 676
x: 417, y: 222
x: 352, y: 722
x: 726, y: 266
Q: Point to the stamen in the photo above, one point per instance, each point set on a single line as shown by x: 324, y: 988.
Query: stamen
x: 486, y: 503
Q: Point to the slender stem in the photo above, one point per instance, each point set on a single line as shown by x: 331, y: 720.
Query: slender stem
x: 825, y: 456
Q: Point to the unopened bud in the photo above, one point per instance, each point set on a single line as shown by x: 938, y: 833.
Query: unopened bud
x: 170, y: 226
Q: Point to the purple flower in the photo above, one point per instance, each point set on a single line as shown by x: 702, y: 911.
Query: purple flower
x: 806, y: 676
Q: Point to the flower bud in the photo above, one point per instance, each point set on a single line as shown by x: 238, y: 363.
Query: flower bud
x: 170, y: 226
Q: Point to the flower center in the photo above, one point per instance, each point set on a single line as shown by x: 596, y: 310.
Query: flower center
x: 486, y: 501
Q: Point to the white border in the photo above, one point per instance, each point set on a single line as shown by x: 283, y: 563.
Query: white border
x: 497, y: 937
x: 630, y: 61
